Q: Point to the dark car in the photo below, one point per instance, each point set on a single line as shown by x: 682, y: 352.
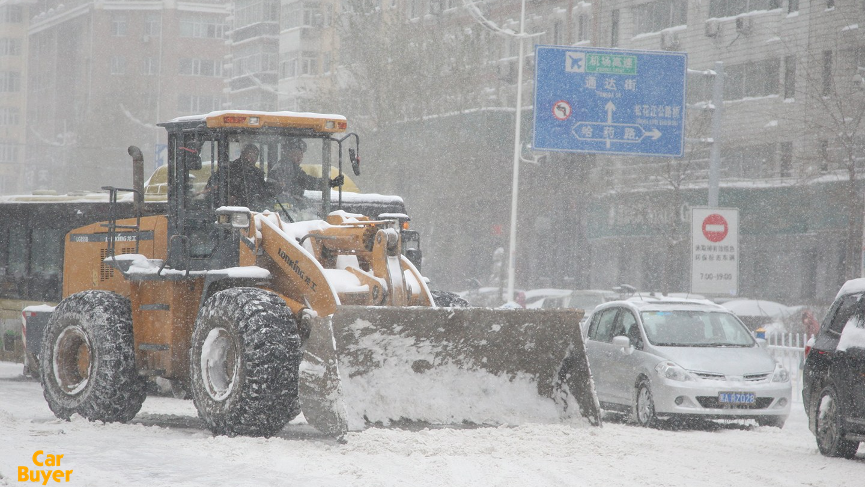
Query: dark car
x: 833, y: 388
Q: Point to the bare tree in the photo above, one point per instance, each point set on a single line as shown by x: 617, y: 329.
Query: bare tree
x: 832, y: 83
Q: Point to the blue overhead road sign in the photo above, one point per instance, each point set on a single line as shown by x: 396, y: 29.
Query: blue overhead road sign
x: 609, y: 101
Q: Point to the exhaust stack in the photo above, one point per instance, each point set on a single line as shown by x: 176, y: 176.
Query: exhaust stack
x: 137, y: 176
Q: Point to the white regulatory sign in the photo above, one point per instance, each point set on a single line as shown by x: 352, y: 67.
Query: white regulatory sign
x: 715, y: 251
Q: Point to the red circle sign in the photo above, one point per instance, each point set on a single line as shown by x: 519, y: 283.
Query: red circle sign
x: 561, y: 110
x: 715, y: 228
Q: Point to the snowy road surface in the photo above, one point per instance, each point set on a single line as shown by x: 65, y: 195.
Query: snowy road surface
x: 165, y: 446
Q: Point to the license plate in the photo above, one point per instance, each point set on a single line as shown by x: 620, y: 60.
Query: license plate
x: 737, y: 397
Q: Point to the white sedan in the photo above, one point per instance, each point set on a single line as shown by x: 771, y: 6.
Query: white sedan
x: 657, y: 359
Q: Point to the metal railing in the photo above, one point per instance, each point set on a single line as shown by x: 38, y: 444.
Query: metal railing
x: 788, y: 349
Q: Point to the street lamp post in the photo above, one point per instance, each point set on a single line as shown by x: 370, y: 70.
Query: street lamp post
x: 512, y: 234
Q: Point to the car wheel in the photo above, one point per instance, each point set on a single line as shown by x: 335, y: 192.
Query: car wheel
x: 775, y: 421
x: 830, y: 434
x: 644, y: 408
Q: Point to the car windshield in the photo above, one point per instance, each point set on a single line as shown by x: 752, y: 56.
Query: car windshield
x: 695, y: 328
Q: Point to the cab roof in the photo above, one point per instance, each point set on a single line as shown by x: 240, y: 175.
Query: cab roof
x: 316, y: 122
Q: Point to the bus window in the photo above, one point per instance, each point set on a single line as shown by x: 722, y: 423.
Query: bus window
x: 4, y: 252
x: 19, y: 255
x: 47, y: 250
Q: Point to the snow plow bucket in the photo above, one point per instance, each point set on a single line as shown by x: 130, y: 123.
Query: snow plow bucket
x: 380, y: 365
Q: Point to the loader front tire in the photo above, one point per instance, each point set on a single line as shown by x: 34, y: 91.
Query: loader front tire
x: 88, y: 359
x: 244, y: 363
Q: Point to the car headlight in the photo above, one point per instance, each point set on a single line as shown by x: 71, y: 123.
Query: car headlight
x: 672, y: 371
x: 781, y: 374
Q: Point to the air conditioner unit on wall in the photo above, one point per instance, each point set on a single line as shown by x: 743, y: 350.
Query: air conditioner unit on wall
x: 670, y: 41
x: 712, y: 28
x: 744, y: 25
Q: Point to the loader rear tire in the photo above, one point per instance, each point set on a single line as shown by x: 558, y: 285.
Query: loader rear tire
x: 88, y: 359
x: 447, y: 299
x: 244, y: 363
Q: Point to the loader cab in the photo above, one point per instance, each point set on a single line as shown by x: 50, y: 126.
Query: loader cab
x: 206, y: 171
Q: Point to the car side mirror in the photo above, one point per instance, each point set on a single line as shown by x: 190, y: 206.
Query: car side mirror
x: 623, y: 343
x: 762, y: 342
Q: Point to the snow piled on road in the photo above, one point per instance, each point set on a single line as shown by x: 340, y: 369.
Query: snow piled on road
x: 166, y: 445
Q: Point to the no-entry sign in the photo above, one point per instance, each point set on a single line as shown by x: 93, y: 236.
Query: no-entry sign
x: 715, y: 228
x: 715, y: 251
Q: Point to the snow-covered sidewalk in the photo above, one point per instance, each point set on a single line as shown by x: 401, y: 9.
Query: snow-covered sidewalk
x: 165, y: 446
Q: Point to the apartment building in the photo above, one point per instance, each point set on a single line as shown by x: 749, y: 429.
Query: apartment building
x: 102, y: 74
x: 14, y: 17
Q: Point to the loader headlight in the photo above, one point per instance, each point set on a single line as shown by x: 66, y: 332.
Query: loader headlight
x: 235, y: 217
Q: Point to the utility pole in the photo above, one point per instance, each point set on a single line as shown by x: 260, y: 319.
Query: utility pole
x: 716, y: 130
x: 512, y: 234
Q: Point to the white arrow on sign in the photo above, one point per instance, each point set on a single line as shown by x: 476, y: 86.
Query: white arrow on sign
x: 655, y: 134
x: 610, y: 107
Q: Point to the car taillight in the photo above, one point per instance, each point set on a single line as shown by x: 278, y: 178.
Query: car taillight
x: 807, y: 350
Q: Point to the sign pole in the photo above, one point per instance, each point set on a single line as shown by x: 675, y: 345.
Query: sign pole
x: 718, y: 107
x: 512, y: 234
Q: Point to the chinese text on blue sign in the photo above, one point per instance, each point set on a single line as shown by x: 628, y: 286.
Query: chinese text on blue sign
x: 609, y: 101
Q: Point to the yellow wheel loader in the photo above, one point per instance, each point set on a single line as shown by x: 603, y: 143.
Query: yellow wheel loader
x: 263, y: 305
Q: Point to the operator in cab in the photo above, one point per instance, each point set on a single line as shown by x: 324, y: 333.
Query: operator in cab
x: 246, y: 182
x: 289, y: 175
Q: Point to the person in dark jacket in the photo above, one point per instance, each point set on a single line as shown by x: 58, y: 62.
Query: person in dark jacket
x: 289, y: 174
x: 246, y: 182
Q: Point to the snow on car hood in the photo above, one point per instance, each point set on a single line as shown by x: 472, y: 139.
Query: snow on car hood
x: 735, y: 361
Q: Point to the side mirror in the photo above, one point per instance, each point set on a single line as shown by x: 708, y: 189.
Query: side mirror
x: 762, y: 342
x: 356, y: 162
x: 622, y: 343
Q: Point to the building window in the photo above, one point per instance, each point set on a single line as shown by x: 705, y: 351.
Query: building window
x: 118, y: 65
x: 582, y: 28
x: 9, y: 116
x: 659, y: 15
x: 193, y: 104
x: 11, y: 14
x: 153, y: 25
x: 326, y: 62
x: 309, y: 63
x: 827, y: 73
x: 824, y: 154
x: 10, y: 82
x: 300, y: 14
x: 200, y: 67
x: 730, y: 8
x: 202, y: 27
x: 8, y: 151
x: 752, y: 79
x: 557, y: 33
x: 150, y: 66
x: 786, y: 150
x: 793, y: 6
x: 118, y: 26
x: 249, y: 12
x: 614, y: 28
x: 288, y: 65
x: 10, y: 47
x: 790, y: 76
